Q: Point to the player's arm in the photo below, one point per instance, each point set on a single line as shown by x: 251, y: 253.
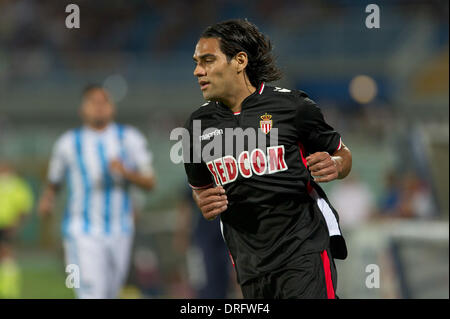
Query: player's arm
x: 146, y: 182
x: 211, y: 200
x: 47, y: 200
x: 325, y: 167
x: 143, y: 179
x: 56, y: 172
x: 329, y: 158
x: 143, y: 176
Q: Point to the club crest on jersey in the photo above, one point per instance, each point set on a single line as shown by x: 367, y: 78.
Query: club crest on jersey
x: 266, y: 123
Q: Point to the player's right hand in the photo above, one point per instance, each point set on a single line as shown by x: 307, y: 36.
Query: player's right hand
x: 45, y: 206
x: 211, y: 201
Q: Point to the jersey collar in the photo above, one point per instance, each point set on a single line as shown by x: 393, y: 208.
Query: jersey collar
x: 259, y: 91
x: 100, y: 133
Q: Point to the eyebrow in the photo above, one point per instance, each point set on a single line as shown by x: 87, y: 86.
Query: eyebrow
x: 204, y: 56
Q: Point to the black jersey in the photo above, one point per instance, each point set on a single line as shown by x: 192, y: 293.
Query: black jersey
x: 276, y: 213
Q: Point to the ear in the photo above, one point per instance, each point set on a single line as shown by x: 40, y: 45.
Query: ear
x: 241, y: 61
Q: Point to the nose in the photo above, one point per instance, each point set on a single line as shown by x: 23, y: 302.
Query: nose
x: 199, y: 71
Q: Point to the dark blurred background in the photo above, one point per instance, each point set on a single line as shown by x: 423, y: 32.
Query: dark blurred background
x: 385, y: 90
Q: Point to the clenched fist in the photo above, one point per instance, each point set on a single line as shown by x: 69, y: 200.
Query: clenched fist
x: 211, y: 201
x: 323, y: 167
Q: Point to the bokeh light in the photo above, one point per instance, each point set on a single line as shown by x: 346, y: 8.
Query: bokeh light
x: 363, y: 89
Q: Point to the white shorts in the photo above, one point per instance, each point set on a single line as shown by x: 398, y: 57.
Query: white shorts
x: 103, y: 264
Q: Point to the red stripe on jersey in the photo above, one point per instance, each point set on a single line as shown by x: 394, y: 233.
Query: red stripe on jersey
x: 302, y: 151
x: 231, y: 257
x: 327, y: 269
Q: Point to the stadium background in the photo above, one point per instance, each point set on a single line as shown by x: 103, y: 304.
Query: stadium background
x: 394, y: 118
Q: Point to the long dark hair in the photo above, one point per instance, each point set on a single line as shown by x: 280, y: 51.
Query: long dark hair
x: 241, y: 35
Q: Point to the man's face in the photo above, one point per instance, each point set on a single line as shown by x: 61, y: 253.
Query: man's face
x: 97, y: 109
x: 215, y: 75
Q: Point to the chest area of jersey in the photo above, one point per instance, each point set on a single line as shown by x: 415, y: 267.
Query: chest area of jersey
x: 251, y: 144
x: 91, y: 159
x: 265, y: 119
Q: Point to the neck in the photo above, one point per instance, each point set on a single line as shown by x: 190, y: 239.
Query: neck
x: 97, y: 127
x: 234, y: 101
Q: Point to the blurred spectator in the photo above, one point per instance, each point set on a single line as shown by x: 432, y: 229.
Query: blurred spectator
x: 415, y: 199
x: 16, y: 200
x: 405, y: 196
x: 208, y: 261
x: 353, y: 200
x: 390, y: 198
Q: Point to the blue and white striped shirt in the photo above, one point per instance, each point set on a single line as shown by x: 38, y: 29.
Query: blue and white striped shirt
x: 98, y: 202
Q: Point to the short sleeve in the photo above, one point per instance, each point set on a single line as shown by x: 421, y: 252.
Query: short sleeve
x: 198, y: 174
x: 138, y: 150
x: 58, y: 161
x: 313, y: 132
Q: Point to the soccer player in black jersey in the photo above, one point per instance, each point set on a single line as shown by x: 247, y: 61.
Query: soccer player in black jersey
x: 281, y: 231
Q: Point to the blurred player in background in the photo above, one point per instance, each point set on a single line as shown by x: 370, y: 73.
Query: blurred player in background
x: 208, y: 263
x: 99, y: 161
x: 16, y: 200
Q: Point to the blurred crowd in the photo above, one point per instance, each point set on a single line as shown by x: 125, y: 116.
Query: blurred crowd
x: 403, y: 196
x: 157, y: 26
x: 136, y: 25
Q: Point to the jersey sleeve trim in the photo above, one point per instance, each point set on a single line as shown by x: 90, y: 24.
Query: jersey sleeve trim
x: 261, y: 89
x: 201, y: 187
x: 339, y: 146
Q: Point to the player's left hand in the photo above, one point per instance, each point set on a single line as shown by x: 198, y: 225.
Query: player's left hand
x: 116, y: 167
x: 323, y: 167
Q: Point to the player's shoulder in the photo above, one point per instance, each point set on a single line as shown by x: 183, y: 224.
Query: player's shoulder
x: 286, y: 93
x: 67, y: 140
x: 289, y: 97
x: 129, y: 131
x: 204, y: 110
x: 66, y: 137
x: 122, y: 128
